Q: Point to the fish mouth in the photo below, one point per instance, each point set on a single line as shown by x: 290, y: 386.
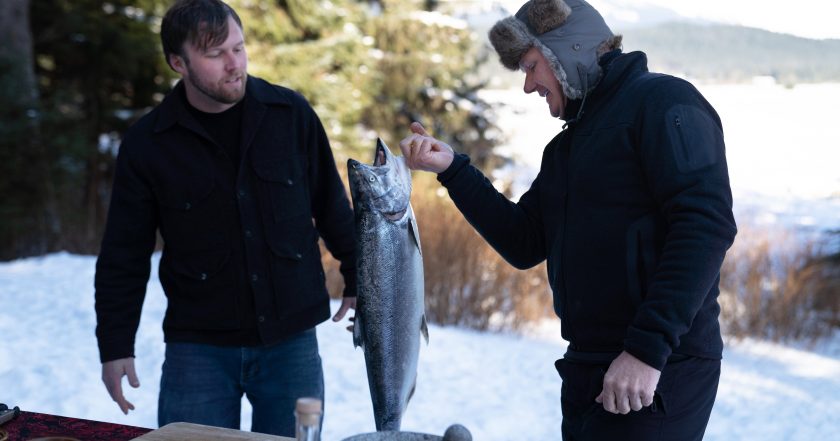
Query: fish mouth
x: 385, y: 184
x: 379, y: 156
x: 395, y: 216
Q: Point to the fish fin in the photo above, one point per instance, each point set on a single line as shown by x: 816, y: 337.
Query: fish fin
x: 424, y: 329
x: 415, y: 232
x: 413, y: 387
x: 357, y: 332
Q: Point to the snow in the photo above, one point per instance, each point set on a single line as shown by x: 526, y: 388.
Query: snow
x: 502, y: 386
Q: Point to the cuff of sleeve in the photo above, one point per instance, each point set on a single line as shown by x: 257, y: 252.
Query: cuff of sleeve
x: 648, y: 347
x: 109, y: 351
x: 458, y: 163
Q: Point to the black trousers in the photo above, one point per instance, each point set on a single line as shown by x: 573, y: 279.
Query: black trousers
x: 680, y: 411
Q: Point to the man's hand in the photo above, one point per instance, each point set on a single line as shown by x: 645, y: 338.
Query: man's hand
x: 112, y: 373
x: 629, y: 384
x: 422, y: 152
x: 347, y: 303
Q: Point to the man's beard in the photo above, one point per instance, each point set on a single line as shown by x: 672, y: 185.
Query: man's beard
x: 216, y: 92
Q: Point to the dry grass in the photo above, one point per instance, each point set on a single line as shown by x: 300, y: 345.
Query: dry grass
x: 467, y: 282
x: 776, y: 287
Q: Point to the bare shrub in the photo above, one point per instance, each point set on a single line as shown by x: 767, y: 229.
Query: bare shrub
x: 775, y: 286
x: 467, y: 282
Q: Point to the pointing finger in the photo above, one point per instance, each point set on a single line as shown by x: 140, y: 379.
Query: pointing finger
x: 418, y: 128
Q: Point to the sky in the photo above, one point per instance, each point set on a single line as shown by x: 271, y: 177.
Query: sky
x: 805, y: 18
x: 501, y: 386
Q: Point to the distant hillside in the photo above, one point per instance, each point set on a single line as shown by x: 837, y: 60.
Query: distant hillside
x: 706, y: 52
x: 734, y: 53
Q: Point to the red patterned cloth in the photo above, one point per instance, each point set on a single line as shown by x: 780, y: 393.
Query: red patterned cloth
x: 30, y: 425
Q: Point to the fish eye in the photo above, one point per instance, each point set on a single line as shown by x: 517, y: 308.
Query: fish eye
x: 372, y: 178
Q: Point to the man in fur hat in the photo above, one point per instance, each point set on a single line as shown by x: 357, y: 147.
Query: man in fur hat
x: 632, y: 210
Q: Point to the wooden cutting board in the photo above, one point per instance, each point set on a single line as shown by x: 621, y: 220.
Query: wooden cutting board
x: 189, y: 431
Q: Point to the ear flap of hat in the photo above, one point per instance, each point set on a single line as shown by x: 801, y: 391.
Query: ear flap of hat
x: 545, y: 15
x: 511, y: 39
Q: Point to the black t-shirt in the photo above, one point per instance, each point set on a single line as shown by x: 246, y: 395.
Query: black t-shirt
x: 224, y: 127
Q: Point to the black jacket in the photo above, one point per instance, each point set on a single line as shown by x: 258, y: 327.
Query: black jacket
x: 241, y: 263
x: 633, y: 211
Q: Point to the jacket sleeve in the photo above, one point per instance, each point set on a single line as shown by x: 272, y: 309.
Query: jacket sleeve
x: 682, y: 153
x: 330, y: 205
x: 514, y: 230
x: 122, y: 269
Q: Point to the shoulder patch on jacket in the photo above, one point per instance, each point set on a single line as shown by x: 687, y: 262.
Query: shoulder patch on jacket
x: 696, y: 139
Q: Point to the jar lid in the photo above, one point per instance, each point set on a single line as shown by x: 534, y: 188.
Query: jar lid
x: 308, y: 405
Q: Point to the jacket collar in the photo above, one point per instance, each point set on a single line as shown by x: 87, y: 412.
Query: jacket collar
x: 258, y: 94
x: 616, y: 67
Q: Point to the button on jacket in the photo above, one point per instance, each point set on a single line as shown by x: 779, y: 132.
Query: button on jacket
x: 241, y: 263
x: 632, y: 210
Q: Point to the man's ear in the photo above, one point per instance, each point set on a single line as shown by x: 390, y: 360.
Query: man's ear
x: 178, y: 63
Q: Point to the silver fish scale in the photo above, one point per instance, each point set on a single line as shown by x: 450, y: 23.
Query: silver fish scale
x: 390, y: 311
x: 391, y: 307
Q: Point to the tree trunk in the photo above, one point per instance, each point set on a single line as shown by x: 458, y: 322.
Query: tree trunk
x: 28, y: 220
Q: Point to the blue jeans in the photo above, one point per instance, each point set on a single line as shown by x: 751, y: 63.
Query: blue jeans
x: 203, y: 384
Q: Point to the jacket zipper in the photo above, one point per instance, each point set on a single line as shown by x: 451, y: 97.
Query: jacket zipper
x: 564, y: 301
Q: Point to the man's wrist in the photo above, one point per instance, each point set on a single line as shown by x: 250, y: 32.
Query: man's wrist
x: 459, y: 161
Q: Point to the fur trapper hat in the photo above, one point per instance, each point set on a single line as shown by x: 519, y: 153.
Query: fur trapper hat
x: 571, y: 35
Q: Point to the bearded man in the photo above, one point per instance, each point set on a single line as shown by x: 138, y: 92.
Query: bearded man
x: 231, y: 171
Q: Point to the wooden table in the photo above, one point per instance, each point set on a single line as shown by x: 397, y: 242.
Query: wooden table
x: 189, y: 431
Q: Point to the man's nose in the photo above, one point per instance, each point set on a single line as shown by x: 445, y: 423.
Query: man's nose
x: 231, y: 61
x: 529, y: 85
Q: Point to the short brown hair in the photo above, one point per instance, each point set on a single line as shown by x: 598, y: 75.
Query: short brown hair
x: 202, y: 22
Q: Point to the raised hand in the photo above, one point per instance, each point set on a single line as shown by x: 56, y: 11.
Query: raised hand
x: 423, y: 152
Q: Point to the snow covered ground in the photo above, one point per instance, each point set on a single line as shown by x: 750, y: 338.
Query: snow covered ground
x: 501, y: 386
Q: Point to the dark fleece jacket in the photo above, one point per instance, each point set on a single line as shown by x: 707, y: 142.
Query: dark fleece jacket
x: 632, y: 210
x: 241, y: 264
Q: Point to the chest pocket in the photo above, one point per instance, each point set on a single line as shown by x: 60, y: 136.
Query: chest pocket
x: 695, y: 138
x: 283, y: 181
x: 190, y: 217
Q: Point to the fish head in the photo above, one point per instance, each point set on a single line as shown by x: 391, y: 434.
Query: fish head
x: 383, y: 186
